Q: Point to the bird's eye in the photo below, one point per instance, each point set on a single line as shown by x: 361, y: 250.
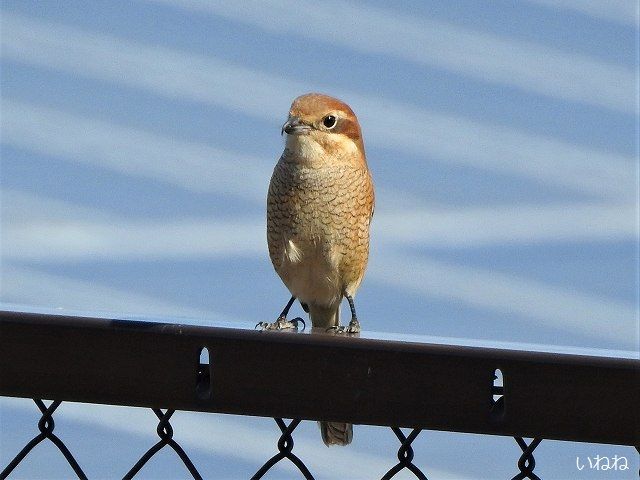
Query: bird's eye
x: 329, y: 121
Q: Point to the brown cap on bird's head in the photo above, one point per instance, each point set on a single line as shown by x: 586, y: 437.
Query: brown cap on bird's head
x: 322, y: 113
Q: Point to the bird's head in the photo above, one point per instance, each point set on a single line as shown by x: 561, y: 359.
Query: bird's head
x: 322, y: 128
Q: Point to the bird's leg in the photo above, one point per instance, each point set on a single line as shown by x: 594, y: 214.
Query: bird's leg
x: 287, y: 307
x: 354, y: 324
x: 282, y: 323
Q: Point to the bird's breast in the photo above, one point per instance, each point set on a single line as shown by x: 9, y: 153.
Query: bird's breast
x: 317, y: 220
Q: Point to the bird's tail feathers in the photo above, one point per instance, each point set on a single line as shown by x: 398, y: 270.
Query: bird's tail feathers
x: 336, y: 433
x: 324, y: 317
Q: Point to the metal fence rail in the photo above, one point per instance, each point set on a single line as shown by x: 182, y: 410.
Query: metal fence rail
x: 376, y: 382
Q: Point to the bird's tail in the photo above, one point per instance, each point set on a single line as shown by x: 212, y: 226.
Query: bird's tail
x: 333, y: 433
x: 324, y: 317
x: 336, y: 433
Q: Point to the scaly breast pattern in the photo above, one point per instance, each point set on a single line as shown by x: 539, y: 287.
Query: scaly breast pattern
x: 318, y: 228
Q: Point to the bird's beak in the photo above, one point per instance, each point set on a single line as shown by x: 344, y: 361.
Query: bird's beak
x: 294, y: 126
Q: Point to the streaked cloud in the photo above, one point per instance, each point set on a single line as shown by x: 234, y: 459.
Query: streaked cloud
x: 35, y: 288
x: 68, y: 241
x: 60, y: 231
x: 192, y: 166
x: 507, y: 61
x: 19, y: 207
x: 624, y: 12
x: 164, y: 71
x: 507, y: 225
x: 431, y: 136
x: 456, y: 140
x: 507, y: 294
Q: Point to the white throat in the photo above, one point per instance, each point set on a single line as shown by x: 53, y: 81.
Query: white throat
x: 304, y: 147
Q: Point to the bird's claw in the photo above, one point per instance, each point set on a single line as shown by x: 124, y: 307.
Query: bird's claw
x: 351, y: 329
x: 282, y: 324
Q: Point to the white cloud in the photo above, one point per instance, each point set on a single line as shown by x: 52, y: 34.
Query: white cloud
x: 428, y: 135
x: 484, y: 56
x: 508, y: 294
x: 624, y: 12
x: 192, y: 166
x: 168, y: 72
x: 69, y: 240
x: 37, y: 228
x: 18, y: 207
x: 506, y: 225
x: 34, y: 288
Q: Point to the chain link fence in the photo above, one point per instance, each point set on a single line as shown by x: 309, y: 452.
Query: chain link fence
x: 46, y: 425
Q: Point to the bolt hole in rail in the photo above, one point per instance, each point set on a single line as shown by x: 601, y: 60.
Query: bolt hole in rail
x: 408, y: 386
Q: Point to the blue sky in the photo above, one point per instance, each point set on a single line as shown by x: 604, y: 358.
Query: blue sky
x: 138, y: 140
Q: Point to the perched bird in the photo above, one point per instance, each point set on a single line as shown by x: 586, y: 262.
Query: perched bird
x: 319, y: 209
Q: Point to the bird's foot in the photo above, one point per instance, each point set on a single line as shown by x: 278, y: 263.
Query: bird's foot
x: 351, y: 329
x: 282, y: 324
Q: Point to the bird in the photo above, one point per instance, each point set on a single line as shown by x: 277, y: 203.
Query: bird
x: 319, y: 209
